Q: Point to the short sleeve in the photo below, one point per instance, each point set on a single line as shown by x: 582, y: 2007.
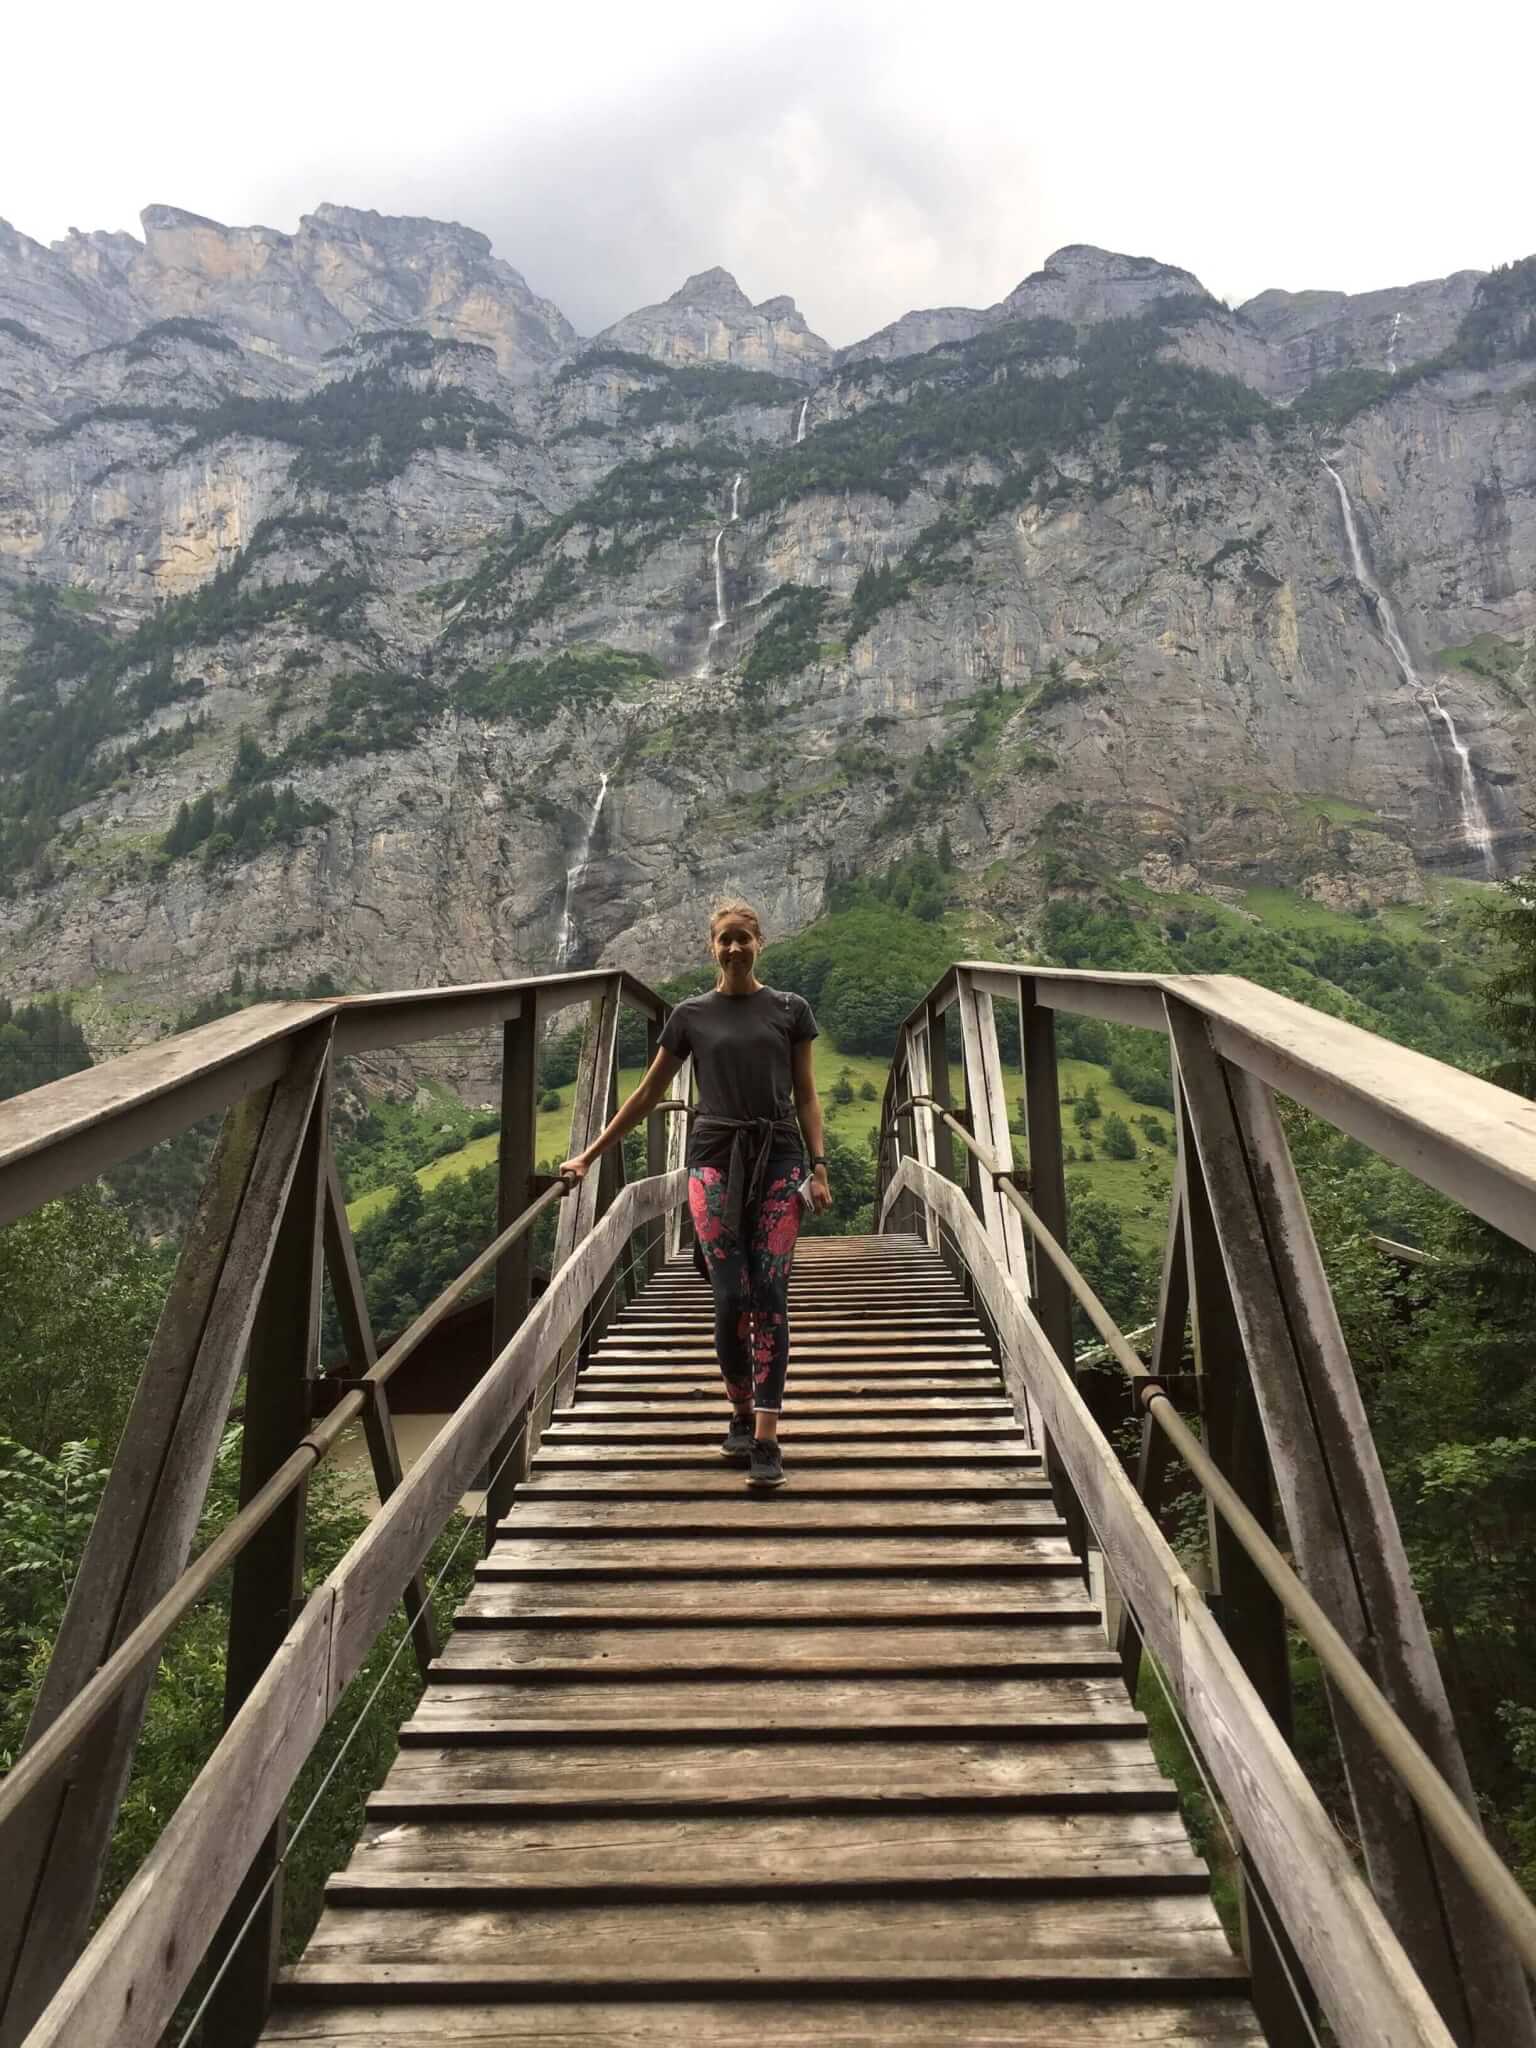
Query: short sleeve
x: 802, y: 1022
x: 674, y: 1034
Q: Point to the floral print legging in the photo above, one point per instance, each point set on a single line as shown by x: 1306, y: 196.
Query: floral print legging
x: 750, y: 1281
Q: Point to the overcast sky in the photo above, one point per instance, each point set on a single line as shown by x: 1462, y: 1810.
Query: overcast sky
x: 866, y: 158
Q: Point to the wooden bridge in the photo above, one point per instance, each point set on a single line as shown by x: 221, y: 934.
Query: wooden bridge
x: 853, y: 1763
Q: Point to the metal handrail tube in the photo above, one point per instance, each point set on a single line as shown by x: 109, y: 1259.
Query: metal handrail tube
x: 1444, y: 1812
x: 54, y: 1747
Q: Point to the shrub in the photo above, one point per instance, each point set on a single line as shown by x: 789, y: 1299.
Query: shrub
x: 1116, y: 1138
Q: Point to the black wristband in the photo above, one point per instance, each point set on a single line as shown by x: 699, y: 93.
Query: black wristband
x: 818, y: 1159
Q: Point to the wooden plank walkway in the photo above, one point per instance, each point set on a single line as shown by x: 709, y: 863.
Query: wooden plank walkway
x: 846, y: 1763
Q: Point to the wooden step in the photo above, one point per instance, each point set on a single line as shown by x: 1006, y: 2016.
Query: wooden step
x: 817, y: 1482
x: 604, y: 1656
x: 749, y: 2017
x: 742, y: 1514
x: 803, y: 1453
x: 799, y: 1597
x: 772, y: 1555
x: 594, y: 1406
x: 1112, y: 1769
x: 810, y: 1428
x: 773, y: 1703
x: 621, y: 1857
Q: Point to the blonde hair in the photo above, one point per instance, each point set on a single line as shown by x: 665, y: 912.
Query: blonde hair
x: 743, y: 913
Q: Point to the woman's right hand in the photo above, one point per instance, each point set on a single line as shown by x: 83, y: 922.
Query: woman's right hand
x: 573, y: 1169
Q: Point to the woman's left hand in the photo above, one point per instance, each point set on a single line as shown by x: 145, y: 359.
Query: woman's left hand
x: 821, y: 1192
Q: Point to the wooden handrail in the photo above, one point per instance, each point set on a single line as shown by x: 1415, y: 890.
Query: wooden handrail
x: 66, y: 1132
x: 1464, y: 1136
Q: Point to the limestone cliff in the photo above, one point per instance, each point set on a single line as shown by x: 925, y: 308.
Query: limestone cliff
x: 335, y: 573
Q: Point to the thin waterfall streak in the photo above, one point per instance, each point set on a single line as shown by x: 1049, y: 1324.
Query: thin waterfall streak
x: 805, y: 406
x: 1397, y: 321
x: 564, y: 942
x: 721, y: 615
x: 1475, y: 827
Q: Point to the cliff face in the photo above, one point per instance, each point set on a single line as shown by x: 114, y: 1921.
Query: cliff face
x: 336, y: 573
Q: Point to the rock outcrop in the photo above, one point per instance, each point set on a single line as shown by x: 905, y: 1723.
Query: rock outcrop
x: 710, y: 319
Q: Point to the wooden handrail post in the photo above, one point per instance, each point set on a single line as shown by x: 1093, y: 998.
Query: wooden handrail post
x: 1048, y: 1195
x: 655, y: 1157
x: 676, y: 1155
x: 515, y: 1163
x: 378, y: 1424
x: 580, y: 1212
x: 1250, y: 1616
x: 1167, y: 1357
x: 266, y: 1588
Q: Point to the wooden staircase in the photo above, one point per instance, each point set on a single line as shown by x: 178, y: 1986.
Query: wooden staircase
x: 846, y: 1763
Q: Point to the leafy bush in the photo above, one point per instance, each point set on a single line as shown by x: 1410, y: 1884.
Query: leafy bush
x: 791, y: 639
x: 580, y: 679
x: 366, y: 714
x: 1116, y: 1138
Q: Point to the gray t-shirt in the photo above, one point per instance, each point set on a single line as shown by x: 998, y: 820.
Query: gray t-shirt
x: 740, y: 1048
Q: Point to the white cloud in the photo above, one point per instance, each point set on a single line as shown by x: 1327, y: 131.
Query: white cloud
x: 866, y: 161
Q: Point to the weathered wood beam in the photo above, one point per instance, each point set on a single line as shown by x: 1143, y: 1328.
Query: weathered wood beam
x: 515, y: 1165
x: 54, y: 1137
x: 266, y: 1586
x: 143, y: 1530
x: 1348, y: 1546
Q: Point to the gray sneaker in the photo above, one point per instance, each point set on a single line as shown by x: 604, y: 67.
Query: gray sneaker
x: 767, y: 1464
x: 737, y: 1441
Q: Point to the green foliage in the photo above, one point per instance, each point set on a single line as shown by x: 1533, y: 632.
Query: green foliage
x: 355, y: 431
x: 202, y: 333
x: 39, y: 1042
x: 851, y: 1177
x: 1123, y: 1281
x: 247, y: 825
x: 1398, y: 987
x: 366, y: 714
x: 676, y: 394
x: 579, y: 679
x: 1330, y: 401
x: 862, y: 970
x: 636, y: 508
x: 77, y: 687
x: 791, y: 639
x: 79, y: 1296
x: 1116, y: 1138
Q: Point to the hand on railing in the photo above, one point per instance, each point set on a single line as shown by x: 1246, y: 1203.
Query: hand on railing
x: 572, y: 1171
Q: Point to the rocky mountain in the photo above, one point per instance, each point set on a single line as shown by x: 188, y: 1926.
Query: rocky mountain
x: 356, y: 619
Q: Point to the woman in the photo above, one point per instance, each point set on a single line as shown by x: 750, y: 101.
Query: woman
x: 751, y: 1048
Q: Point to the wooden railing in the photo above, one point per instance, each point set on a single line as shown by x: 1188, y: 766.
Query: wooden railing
x: 1434, y: 1946
x: 245, y: 1298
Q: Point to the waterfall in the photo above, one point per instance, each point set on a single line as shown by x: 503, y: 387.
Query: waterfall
x: 805, y: 406
x: 1475, y: 827
x: 1397, y: 321
x: 564, y: 939
x: 721, y: 615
